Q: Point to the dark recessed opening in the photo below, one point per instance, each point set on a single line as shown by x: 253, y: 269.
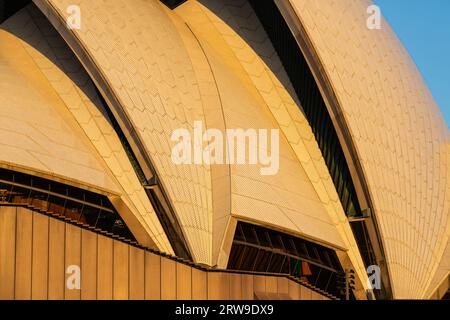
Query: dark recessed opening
x: 10, y: 7
x: 172, y: 4
x: 264, y: 250
x: 62, y: 201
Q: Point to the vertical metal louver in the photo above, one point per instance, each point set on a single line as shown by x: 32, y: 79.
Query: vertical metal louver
x: 311, y: 101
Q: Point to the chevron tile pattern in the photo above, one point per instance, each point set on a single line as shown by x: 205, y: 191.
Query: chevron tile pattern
x: 399, y: 134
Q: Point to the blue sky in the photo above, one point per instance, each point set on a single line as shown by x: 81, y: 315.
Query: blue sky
x: 424, y: 28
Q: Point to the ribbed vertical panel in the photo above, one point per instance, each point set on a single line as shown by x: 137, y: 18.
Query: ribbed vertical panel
x: 36, y: 250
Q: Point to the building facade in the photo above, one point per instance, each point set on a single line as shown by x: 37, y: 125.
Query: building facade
x: 93, y: 91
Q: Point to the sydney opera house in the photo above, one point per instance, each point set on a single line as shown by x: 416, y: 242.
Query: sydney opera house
x: 92, y: 205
